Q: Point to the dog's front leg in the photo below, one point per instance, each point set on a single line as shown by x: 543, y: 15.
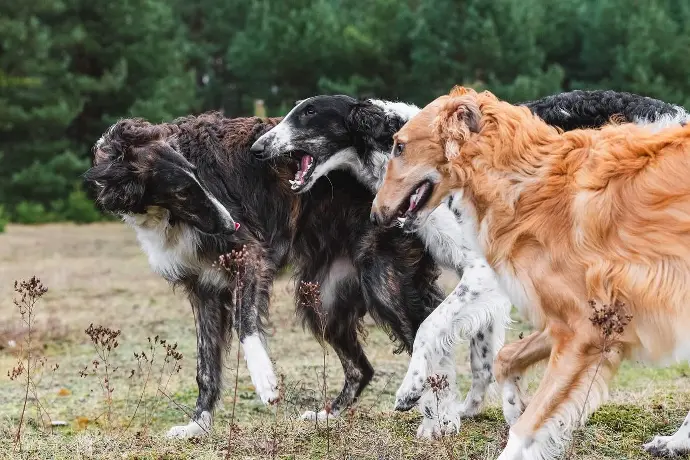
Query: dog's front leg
x: 212, y: 320
x: 440, y: 408
x: 251, y: 300
x: 477, y: 309
x: 511, y: 363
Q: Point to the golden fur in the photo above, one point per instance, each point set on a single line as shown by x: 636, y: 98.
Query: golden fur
x: 564, y: 218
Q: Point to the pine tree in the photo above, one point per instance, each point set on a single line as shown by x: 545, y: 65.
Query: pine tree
x: 78, y: 66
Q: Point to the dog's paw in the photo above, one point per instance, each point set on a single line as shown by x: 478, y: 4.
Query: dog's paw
x: 667, y: 446
x: 267, y: 388
x: 513, y: 403
x: 265, y: 382
x: 194, y: 429
x: 312, y: 416
x: 260, y: 369
x: 512, y: 412
x: 410, y: 391
x: 471, y: 408
x: 435, y: 429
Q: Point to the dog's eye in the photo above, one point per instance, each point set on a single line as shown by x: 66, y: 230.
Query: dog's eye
x: 309, y: 111
x: 397, y: 151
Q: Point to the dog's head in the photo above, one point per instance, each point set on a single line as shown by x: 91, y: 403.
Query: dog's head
x: 138, y: 169
x: 418, y: 176
x: 325, y: 133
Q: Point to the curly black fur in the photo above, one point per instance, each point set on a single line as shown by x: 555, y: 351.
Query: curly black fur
x: 592, y: 109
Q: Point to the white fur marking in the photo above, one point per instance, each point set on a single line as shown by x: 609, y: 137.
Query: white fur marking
x: 400, y: 109
x: 195, y: 428
x: 260, y: 368
x: 676, y: 445
x: 170, y: 251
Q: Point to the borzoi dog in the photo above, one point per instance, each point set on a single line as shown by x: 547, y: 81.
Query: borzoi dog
x: 184, y: 187
x: 326, y: 133
x: 568, y: 220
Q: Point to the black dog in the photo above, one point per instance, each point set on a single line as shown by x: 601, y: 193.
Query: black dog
x: 184, y: 187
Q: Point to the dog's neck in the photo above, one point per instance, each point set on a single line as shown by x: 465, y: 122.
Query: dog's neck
x: 373, y: 169
x: 371, y: 172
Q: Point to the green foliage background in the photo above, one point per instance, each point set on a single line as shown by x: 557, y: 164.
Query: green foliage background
x: 70, y: 68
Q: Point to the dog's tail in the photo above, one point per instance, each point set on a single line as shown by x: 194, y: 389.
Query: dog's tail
x: 594, y: 109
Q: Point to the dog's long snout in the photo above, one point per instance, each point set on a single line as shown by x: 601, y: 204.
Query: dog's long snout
x: 380, y: 215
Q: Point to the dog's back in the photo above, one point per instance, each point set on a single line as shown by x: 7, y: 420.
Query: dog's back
x: 592, y: 109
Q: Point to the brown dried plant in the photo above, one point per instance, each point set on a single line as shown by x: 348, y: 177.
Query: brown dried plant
x: 27, y: 295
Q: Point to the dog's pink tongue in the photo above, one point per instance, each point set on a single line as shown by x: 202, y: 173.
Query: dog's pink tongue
x: 304, y: 165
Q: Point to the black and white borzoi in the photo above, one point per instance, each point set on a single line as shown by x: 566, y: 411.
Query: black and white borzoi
x: 326, y: 133
x: 184, y: 187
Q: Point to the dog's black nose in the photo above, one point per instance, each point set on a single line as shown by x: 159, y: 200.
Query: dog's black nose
x: 258, y: 147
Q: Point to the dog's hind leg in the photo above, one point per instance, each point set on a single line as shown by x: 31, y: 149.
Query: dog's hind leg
x: 671, y: 446
x: 211, y: 315
x: 341, y: 334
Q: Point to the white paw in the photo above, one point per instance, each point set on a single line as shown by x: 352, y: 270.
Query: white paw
x: 260, y: 369
x: 666, y: 446
x: 267, y: 388
x: 512, y: 412
x: 513, y: 404
x: 195, y: 428
x: 312, y: 416
x: 434, y: 429
x: 471, y: 407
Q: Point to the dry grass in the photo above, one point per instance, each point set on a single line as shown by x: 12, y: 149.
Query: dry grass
x: 97, y: 274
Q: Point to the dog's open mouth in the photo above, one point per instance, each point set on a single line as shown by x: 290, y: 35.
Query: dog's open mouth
x: 415, y: 201
x: 305, y: 168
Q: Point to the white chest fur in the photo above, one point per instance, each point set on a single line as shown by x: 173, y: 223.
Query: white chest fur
x: 172, y: 251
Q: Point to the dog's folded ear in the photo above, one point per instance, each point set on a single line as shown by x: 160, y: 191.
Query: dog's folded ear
x: 370, y: 126
x: 117, y: 178
x: 368, y: 118
x: 458, y: 119
x: 122, y: 139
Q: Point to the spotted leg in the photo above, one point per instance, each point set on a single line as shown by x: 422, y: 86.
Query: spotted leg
x: 476, y: 308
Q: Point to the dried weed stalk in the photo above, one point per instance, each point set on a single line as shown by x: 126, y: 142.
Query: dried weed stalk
x: 310, y: 298
x: 104, y: 341
x: 27, y: 294
x: 611, y: 320
x: 237, y: 263
x: 145, y: 364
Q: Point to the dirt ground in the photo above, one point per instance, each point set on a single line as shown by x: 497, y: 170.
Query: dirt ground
x: 97, y: 275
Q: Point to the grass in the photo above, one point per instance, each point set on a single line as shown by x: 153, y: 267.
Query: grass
x: 97, y: 274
